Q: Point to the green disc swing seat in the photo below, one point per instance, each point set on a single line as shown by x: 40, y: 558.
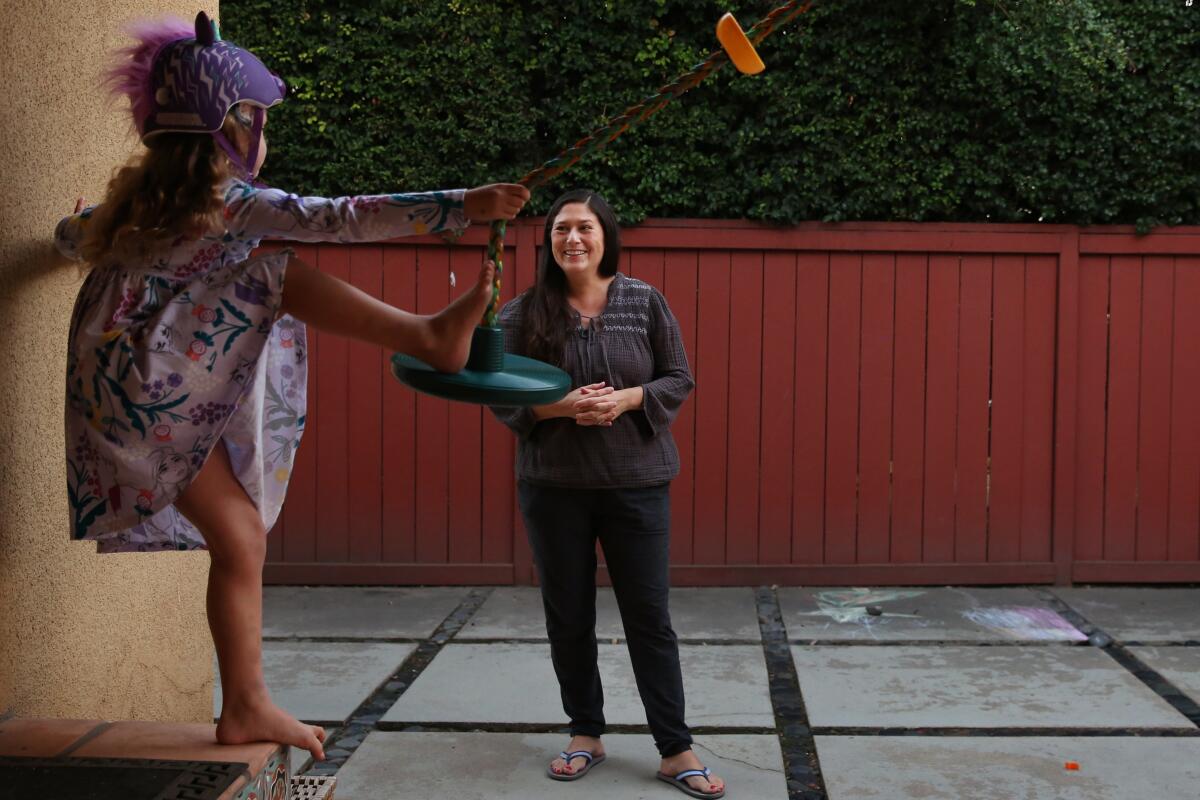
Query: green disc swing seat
x: 492, y: 377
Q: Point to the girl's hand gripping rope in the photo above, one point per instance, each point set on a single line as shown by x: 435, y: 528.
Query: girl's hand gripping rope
x: 495, y: 201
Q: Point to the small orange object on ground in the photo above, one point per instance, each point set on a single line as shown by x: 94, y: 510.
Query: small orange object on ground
x: 1072, y: 765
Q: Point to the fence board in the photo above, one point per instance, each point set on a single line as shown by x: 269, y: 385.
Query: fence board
x: 680, y: 290
x: 1037, y: 492
x: 875, y: 423
x: 745, y: 405
x: 941, y: 409
x: 1094, y: 278
x: 811, y: 381
x: 908, y: 430
x: 1120, y: 500
x: 1007, y: 461
x: 778, y: 401
x: 364, y: 424
x: 841, y: 417
x: 1154, y: 410
x: 1183, y: 539
x: 971, y: 455
x: 712, y: 408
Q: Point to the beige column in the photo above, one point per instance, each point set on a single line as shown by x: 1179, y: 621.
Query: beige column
x: 81, y: 635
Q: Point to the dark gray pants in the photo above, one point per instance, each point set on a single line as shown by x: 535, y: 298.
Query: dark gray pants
x: 633, y: 526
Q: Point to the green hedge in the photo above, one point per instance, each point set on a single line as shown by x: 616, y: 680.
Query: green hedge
x: 1080, y: 111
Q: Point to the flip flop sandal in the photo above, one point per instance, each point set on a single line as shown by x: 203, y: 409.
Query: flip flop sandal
x: 592, y: 760
x: 680, y: 782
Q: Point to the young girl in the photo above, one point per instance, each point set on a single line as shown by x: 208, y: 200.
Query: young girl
x: 186, y: 358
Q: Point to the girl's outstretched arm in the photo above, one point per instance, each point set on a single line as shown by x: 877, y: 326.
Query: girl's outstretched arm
x: 257, y: 213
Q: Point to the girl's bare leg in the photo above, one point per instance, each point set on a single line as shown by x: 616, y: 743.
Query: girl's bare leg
x: 234, y: 530
x: 442, y: 340
x: 219, y: 507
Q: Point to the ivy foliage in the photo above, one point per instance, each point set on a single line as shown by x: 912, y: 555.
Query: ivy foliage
x: 1067, y: 111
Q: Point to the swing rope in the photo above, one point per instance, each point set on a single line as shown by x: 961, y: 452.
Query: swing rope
x: 604, y: 135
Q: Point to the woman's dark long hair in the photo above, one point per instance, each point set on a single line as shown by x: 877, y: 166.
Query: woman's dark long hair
x: 546, y: 319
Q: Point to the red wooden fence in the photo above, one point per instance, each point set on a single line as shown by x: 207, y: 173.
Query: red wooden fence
x: 875, y: 404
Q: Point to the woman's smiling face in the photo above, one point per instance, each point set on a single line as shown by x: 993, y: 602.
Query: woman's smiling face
x: 577, y: 239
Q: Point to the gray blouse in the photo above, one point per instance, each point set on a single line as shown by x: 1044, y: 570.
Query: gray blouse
x: 634, y: 342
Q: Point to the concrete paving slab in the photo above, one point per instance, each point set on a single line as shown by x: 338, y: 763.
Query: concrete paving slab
x: 709, y: 613
x: 512, y: 766
x: 715, y: 613
x: 1179, y: 665
x: 922, y: 613
x: 725, y: 685
x: 357, y: 612
x: 977, y: 687
x: 1139, y: 614
x: 323, y: 682
x: 515, y: 612
x: 995, y: 768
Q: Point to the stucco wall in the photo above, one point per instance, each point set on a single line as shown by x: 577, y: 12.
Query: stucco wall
x: 81, y: 635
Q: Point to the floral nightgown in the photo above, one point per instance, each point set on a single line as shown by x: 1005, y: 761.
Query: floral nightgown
x: 167, y: 358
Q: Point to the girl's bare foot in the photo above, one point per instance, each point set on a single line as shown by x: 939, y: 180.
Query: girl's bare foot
x: 447, y: 336
x: 267, y: 722
x: 589, y: 743
x: 681, y: 762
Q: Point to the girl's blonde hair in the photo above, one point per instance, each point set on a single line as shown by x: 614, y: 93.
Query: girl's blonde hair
x: 173, y: 189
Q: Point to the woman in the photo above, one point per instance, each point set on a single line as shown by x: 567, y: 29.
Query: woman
x: 598, y: 464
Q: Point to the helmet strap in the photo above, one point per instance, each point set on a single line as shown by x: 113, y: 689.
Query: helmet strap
x: 244, y: 163
x: 256, y: 130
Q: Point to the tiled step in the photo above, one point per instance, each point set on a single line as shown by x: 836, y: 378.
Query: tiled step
x: 42, y: 759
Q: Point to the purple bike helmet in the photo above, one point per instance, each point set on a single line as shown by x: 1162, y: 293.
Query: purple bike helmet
x: 185, y: 81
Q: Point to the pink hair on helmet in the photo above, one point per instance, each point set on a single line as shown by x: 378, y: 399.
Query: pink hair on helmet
x: 130, y: 72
